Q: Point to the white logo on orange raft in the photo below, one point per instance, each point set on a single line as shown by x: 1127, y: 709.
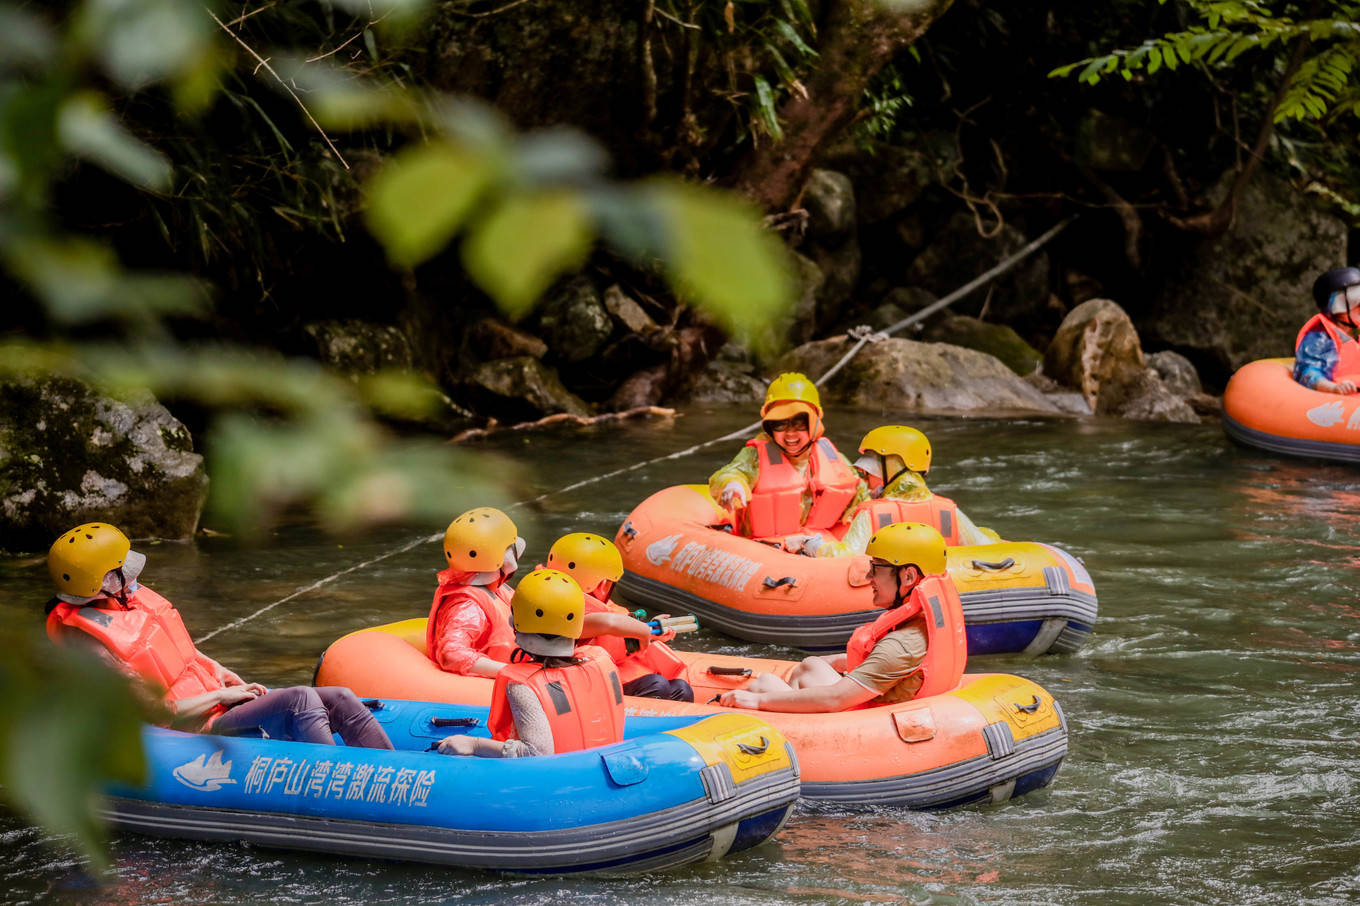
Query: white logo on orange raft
x: 658, y: 552
x: 1326, y: 415
x: 716, y: 566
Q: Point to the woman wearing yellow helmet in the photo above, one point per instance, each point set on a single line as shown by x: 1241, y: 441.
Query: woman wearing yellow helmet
x: 914, y: 649
x: 101, y: 606
x: 647, y: 667
x: 553, y: 697
x: 790, y: 478
x: 468, y: 630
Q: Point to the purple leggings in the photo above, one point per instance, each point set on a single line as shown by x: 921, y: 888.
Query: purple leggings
x: 307, y: 714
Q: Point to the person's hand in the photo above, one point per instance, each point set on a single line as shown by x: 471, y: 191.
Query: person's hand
x: 740, y: 698
x: 733, y: 494
x: 235, y: 695
x: 257, y: 688
x: 665, y: 636
x: 457, y: 745
x: 1335, y: 386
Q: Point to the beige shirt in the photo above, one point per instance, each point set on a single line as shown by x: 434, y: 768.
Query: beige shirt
x: 891, y: 669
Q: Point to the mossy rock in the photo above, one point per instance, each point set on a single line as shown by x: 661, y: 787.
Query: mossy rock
x: 994, y: 339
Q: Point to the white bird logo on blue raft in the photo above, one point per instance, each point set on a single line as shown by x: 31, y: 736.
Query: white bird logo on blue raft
x: 205, y: 776
x: 658, y: 552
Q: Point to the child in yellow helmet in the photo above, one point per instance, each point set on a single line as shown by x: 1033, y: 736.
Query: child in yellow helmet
x: 790, y: 479
x: 894, y: 462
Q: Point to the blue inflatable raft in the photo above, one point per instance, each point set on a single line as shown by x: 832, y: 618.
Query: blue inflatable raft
x: 676, y: 791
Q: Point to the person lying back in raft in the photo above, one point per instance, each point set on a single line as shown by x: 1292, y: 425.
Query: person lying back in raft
x: 894, y: 464
x: 1327, y: 351
x: 468, y: 631
x: 101, y: 607
x: 916, y: 648
x: 646, y: 665
x: 553, y: 697
x: 790, y: 478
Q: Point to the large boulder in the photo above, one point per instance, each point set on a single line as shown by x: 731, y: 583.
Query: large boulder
x: 994, y: 339
x: 1244, y: 295
x: 70, y: 455
x: 574, y: 321
x: 521, y: 387
x: 898, y: 374
x: 1097, y: 351
x: 360, y: 347
x: 723, y: 382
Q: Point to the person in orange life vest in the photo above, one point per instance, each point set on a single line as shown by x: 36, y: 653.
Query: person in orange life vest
x: 895, y: 461
x: 1327, y: 351
x: 468, y: 631
x: 553, y: 697
x: 101, y: 607
x: 648, y: 668
x: 915, y: 648
x: 790, y: 478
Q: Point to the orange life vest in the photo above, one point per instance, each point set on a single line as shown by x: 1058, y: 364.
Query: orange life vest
x: 655, y: 658
x: 935, y: 511
x: 776, y: 504
x: 495, y: 606
x: 583, y: 702
x: 936, y: 599
x: 149, y: 637
x: 1347, y: 349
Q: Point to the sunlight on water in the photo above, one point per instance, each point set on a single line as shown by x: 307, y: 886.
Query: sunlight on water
x: 1212, y: 713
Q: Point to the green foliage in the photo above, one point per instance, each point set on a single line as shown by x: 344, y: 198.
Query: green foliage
x: 70, y: 726
x: 523, y: 244
x: 1321, y: 88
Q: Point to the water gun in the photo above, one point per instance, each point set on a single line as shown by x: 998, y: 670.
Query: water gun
x: 686, y: 623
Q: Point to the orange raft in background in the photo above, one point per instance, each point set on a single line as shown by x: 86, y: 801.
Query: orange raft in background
x: 1264, y: 407
x: 993, y: 737
x: 680, y: 556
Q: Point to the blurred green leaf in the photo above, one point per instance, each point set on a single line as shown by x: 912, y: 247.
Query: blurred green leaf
x: 399, y: 394
x: 628, y: 220
x: 26, y: 41
x: 720, y: 258
x: 87, y: 129
x: 340, y: 101
x: 144, y: 41
x: 556, y: 156
x: 419, y: 200
x: 70, y: 726
x: 525, y: 243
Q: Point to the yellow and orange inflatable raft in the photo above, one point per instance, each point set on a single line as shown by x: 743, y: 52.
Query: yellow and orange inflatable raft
x: 992, y: 737
x: 680, y: 556
x: 1265, y: 407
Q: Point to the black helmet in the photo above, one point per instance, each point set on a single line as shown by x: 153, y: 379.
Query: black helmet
x: 1332, y: 282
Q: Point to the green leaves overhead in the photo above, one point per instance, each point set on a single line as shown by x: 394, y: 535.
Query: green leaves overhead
x: 420, y: 199
x: 88, y: 129
x: 718, y: 257
x: 525, y: 243
x: 145, y: 41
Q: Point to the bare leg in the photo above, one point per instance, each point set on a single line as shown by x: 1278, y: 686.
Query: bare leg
x: 767, y: 682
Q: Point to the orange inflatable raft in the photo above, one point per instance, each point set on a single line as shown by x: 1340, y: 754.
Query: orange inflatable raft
x: 680, y: 556
x: 993, y: 737
x: 1265, y: 407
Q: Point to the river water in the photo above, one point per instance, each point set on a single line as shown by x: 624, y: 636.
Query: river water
x: 1213, y: 713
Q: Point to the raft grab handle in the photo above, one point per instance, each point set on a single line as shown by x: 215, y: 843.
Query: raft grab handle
x: 755, y: 750
x: 1032, y: 706
x: 728, y: 671
x: 459, y: 721
x: 772, y: 582
x: 985, y: 564
x: 628, y: 531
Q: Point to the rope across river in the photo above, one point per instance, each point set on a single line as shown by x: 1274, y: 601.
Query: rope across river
x: 862, y: 335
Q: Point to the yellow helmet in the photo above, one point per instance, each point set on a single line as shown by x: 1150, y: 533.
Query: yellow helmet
x: 909, y: 543
x: 476, y: 541
x: 78, y: 560
x: 587, y: 558
x: 548, y: 602
x: 908, y: 446
x: 790, y: 388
